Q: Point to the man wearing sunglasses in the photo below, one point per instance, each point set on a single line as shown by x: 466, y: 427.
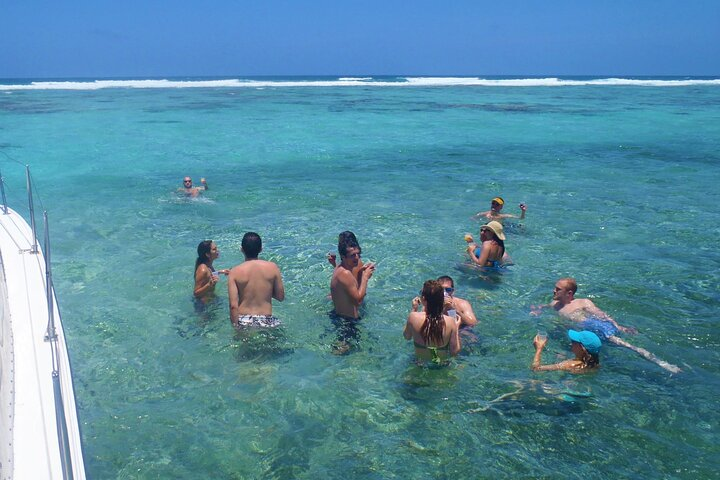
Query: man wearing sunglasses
x: 189, y: 191
x: 462, y: 307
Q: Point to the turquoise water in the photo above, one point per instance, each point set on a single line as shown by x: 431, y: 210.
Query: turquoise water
x: 621, y: 184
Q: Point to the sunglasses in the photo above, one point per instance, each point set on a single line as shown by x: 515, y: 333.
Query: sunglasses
x: 187, y: 181
x: 449, y: 290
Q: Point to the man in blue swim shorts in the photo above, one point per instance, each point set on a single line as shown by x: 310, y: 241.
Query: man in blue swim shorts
x: 591, y: 318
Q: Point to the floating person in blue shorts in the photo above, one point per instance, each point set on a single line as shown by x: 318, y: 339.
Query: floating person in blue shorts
x: 496, y: 205
x: 205, y: 274
x: 590, y: 317
x: 435, y: 335
x: 189, y: 191
x: 491, y: 253
x: 585, y: 345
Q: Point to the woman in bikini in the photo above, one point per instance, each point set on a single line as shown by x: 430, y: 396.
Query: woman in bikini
x: 434, y: 335
x: 492, y: 252
x: 205, y: 274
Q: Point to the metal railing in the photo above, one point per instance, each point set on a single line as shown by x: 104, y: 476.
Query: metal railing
x: 51, y: 333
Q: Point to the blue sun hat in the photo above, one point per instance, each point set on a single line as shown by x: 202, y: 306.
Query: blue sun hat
x: 589, y: 340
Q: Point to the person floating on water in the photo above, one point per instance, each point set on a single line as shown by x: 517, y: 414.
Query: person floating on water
x: 346, y: 289
x: 590, y: 317
x: 435, y: 335
x: 491, y: 253
x: 205, y: 274
x: 252, y: 285
x: 189, y: 191
x: 496, y: 205
x: 585, y: 345
x: 456, y: 306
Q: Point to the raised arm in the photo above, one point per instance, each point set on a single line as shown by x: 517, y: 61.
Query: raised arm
x: 465, y: 311
x: 407, y: 331
x: 204, y: 184
x: 536, y: 363
x: 356, y: 291
x: 484, y: 254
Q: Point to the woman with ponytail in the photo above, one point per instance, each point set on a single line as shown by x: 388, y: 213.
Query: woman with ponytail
x: 435, y: 335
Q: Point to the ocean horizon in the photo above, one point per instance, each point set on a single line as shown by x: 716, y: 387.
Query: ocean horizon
x: 258, y: 81
x: 620, y: 177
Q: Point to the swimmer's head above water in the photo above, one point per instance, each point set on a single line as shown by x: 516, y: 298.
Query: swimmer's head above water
x: 494, y: 228
x: 496, y: 204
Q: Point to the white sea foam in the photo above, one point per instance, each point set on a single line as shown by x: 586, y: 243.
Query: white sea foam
x: 359, y: 81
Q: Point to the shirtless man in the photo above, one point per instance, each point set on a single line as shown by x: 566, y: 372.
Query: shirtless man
x: 346, y: 291
x: 462, y: 307
x: 496, y: 205
x: 345, y: 237
x: 590, y: 317
x: 252, y: 285
x: 189, y: 191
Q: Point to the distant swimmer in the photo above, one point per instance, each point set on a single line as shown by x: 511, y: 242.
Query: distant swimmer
x: 591, y: 318
x: 252, y: 285
x: 189, y: 191
x: 496, y: 205
x: 435, y: 335
x: 347, y: 290
x: 585, y: 346
x: 205, y: 274
x: 491, y: 252
x: 456, y: 306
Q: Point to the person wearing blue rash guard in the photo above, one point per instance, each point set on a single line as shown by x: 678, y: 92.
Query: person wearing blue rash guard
x: 591, y: 318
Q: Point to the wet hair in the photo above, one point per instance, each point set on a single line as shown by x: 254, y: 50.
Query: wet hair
x: 446, y: 278
x: 570, y: 284
x: 590, y: 360
x: 347, y: 237
x: 434, y: 324
x: 251, y: 244
x: 343, y: 247
x: 203, y: 249
x: 495, y: 238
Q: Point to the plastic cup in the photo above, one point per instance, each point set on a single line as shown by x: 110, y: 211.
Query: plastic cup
x: 542, y: 335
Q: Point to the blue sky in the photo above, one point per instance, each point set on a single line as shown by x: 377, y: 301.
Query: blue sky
x: 147, y: 38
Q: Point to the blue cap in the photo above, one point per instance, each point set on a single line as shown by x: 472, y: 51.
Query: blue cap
x: 589, y: 340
